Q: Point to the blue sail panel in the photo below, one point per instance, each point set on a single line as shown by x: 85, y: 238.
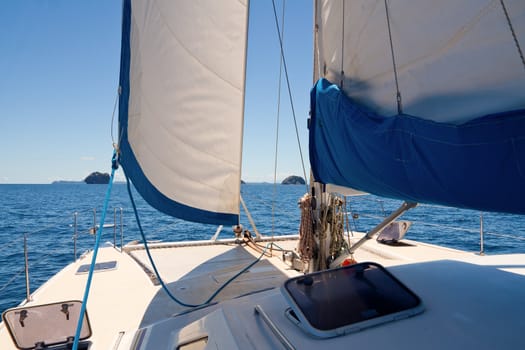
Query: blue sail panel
x: 478, y: 165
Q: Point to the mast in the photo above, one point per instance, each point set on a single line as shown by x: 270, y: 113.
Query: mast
x: 322, y: 244
x: 322, y: 231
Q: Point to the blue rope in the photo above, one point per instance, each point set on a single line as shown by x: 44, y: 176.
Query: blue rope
x: 114, y: 166
x: 157, y: 272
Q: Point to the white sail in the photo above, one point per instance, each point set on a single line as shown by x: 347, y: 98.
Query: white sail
x: 185, y: 108
x: 455, y: 60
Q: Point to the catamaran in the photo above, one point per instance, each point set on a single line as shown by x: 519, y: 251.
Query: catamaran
x: 420, y: 101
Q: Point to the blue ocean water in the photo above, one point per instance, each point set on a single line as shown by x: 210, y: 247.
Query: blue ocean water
x: 45, y: 214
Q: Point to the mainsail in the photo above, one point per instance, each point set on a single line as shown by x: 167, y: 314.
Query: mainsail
x: 181, y: 105
x: 420, y: 109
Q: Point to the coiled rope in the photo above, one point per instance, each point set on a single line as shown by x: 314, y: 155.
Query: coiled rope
x: 336, y: 220
x: 307, y: 245
x: 330, y: 231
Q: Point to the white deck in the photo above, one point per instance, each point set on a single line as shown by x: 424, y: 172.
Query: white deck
x: 471, y: 301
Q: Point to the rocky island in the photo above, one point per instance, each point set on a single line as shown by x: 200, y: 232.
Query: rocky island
x: 97, y: 178
x: 293, y: 180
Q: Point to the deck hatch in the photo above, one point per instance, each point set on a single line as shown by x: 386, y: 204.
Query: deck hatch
x: 102, y: 266
x: 340, y: 301
x: 46, y: 326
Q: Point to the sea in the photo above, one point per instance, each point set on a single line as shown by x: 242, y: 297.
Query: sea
x: 49, y: 217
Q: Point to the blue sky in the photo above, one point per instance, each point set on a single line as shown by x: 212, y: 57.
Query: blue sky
x: 59, y: 69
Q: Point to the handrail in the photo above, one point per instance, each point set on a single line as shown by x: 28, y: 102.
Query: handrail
x: 75, y: 235
x: 481, y: 230
x: 23, y: 247
x: 454, y: 228
x: 26, y: 268
x: 273, y: 327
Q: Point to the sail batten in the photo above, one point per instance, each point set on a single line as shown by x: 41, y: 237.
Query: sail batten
x: 181, y: 107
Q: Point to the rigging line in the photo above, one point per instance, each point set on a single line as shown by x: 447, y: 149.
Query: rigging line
x: 16, y: 274
x: 7, y: 245
x: 277, y: 127
x: 52, y: 253
x: 114, y: 166
x: 113, y: 117
x: 516, y: 42
x: 154, y: 266
x: 289, y: 90
x: 342, y: 46
x: 262, y: 246
x: 55, y: 225
x: 503, y: 235
x: 398, y: 93
x: 316, y: 63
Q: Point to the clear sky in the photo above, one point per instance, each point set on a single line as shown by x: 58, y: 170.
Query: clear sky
x: 59, y: 70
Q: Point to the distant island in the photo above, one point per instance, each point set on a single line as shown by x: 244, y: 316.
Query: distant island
x: 103, y: 178
x: 66, y: 182
x: 293, y: 180
x: 97, y: 178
